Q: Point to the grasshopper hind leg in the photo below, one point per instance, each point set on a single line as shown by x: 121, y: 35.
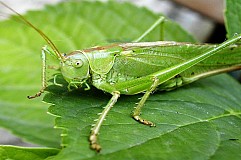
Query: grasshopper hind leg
x: 160, y: 22
x: 137, y: 112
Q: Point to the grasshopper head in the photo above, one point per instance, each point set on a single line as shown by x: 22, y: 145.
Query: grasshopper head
x: 75, y: 68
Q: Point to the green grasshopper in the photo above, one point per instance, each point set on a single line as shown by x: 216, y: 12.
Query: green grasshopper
x: 139, y: 67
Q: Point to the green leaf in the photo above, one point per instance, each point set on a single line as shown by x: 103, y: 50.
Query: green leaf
x: 71, y: 26
x: 20, y: 72
x: 233, y: 17
x: 21, y: 153
x: 233, y: 23
x: 199, y: 121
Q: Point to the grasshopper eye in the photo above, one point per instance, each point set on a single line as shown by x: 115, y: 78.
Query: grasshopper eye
x: 78, y: 63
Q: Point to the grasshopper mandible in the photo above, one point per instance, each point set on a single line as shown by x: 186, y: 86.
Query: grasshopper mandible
x: 132, y: 68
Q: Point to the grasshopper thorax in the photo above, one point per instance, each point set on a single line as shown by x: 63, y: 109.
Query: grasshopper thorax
x: 75, y: 68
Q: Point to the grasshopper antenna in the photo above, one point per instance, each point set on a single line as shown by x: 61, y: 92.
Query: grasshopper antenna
x: 46, y: 38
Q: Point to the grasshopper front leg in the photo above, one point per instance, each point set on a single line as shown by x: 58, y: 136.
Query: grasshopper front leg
x: 44, y: 84
x: 44, y: 52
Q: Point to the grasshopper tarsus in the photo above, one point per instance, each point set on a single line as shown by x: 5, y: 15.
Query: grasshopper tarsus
x: 93, y: 143
x: 36, y: 95
x: 30, y: 97
x: 95, y: 147
x: 143, y: 121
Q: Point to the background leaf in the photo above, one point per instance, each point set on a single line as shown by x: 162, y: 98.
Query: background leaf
x: 20, y: 153
x: 20, y: 76
x: 232, y: 23
x: 233, y: 17
x: 201, y: 120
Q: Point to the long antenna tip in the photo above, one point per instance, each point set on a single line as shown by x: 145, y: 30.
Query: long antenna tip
x: 45, y: 37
